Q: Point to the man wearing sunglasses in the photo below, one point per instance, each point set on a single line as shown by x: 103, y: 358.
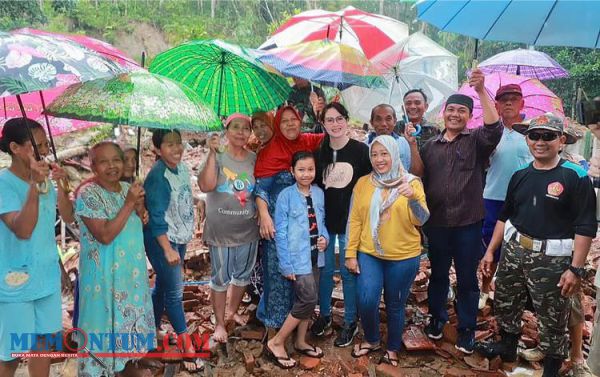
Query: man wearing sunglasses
x: 547, y: 225
x: 510, y: 154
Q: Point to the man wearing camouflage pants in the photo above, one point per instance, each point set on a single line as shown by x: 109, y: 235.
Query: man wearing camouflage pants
x: 548, y: 222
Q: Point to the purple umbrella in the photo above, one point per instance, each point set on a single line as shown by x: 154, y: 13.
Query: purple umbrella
x: 522, y: 62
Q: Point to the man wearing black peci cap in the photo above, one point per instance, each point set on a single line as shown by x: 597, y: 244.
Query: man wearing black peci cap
x: 547, y: 225
x: 454, y: 163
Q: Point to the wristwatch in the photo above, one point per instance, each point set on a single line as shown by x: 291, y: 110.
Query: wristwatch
x: 578, y: 271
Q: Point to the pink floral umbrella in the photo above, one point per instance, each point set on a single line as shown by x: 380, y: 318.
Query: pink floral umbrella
x: 101, y: 47
x: 34, y: 102
x: 33, y: 107
x: 538, y: 98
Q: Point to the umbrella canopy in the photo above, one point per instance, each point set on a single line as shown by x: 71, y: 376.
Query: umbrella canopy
x: 418, y: 53
x: 415, y: 62
x: 228, y: 77
x: 360, y: 101
x: 538, y: 98
x: 105, y: 49
x: 368, y: 32
x: 548, y: 22
x: 30, y: 63
x: 33, y: 101
x: 136, y: 99
x: 34, y: 109
x: 522, y: 62
x: 325, y: 62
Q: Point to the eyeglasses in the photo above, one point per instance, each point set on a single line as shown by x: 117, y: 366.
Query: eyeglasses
x: 338, y: 119
x: 545, y: 136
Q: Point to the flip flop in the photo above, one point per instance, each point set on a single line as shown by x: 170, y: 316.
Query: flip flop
x: 310, y: 352
x: 277, y: 359
x: 361, y: 348
x: 197, y: 361
x: 387, y: 359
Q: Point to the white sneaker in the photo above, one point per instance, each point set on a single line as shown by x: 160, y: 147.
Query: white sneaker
x: 483, y: 297
x: 581, y: 370
x: 531, y: 354
x: 451, y: 295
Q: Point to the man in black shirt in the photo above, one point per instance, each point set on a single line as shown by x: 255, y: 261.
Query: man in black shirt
x: 415, y: 104
x: 309, y: 100
x: 547, y: 222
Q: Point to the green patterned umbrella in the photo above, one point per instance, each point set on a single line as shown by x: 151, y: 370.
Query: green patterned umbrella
x: 139, y: 99
x: 228, y: 77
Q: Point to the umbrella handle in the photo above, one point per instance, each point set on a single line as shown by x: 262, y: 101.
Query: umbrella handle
x: 48, y: 126
x: 30, y: 134
x: 418, y: 129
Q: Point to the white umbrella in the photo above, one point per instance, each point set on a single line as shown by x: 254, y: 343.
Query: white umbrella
x: 416, y: 62
x: 360, y: 101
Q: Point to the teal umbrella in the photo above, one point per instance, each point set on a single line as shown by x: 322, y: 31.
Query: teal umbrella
x: 138, y: 99
x: 228, y: 77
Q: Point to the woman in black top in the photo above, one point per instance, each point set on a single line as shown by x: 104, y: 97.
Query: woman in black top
x: 341, y: 162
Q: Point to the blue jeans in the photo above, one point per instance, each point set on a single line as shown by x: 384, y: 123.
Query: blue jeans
x: 167, y: 294
x: 326, y: 281
x: 492, y: 210
x: 395, y: 278
x: 463, y: 245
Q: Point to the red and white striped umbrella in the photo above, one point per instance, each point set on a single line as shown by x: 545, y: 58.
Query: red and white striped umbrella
x: 368, y: 32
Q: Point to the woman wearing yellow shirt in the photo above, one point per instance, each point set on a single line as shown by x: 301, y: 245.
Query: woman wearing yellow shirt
x: 384, y: 244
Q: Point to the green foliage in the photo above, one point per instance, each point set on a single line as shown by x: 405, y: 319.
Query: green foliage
x: 184, y: 29
x: 104, y: 132
x: 17, y: 14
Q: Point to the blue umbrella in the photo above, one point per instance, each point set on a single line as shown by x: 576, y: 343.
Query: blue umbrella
x: 541, y: 22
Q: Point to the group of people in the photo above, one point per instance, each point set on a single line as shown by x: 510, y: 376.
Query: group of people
x: 275, y: 216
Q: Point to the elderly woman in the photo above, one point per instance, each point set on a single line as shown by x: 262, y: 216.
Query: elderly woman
x: 384, y: 244
x: 114, y: 294
x: 262, y: 133
x: 29, y: 272
x: 228, y: 180
x: 273, y: 174
x: 262, y: 127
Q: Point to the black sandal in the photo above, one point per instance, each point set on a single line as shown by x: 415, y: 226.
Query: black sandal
x: 361, y: 348
x: 307, y: 352
x: 387, y: 359
x: 277, y: 359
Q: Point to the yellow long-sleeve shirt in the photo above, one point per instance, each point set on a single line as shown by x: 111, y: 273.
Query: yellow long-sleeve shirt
x: 398, y: 235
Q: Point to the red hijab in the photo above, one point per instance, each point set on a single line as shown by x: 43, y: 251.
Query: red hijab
x: 276, y: 156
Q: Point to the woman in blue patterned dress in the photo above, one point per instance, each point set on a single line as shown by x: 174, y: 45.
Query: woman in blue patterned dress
x: 114, y: 294
x: 272, y: 173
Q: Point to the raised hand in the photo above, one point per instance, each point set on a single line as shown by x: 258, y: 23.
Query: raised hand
x: 40, y: 170
x: 60, y: 176
x: 214, y: 142
x: 409, y: 131
x: 135, y: 194
x: 477, y: 80
x: 405, y: 188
